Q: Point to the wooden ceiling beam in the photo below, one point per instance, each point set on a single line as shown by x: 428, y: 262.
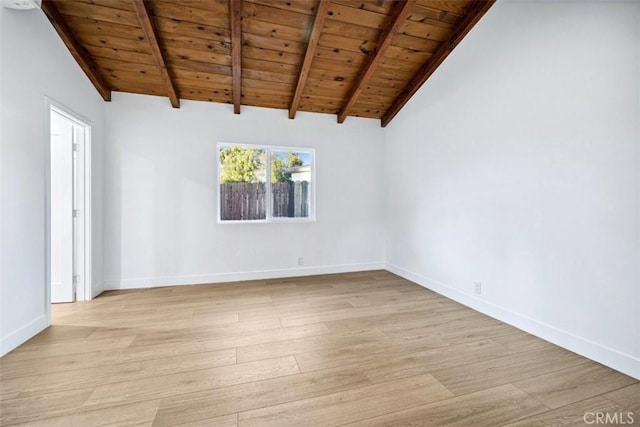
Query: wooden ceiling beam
x: 79, y: 53
x: 149, y: 30
x: 397, y: 18
x: 235, y: 22
x: 318, y: 22
x: 476, y: 11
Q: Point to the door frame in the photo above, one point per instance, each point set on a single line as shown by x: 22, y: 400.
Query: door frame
x: 83, y: 293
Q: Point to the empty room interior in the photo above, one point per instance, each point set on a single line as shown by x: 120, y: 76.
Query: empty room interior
x: 319, y: 212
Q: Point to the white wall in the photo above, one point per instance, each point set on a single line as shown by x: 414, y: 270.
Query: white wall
x: 521, y: 160
x: 160, y: 195
x: 35, y: 64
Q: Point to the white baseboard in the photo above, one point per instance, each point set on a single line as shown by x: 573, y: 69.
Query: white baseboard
x: 612, y: 358
x: 15, y: 338
x: 151, y: 282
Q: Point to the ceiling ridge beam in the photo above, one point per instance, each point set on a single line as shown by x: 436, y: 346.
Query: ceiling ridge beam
x: 149, y: 30
x: 475, y: 13
x: 235, y: 22
x: 79, y: 53
x: 318, y: 22
x: 396, y: 20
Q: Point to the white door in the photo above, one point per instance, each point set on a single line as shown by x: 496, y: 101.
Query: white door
x: 78, y: 151
x: 62, y: 195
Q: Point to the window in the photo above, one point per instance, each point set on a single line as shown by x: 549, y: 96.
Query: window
x: 245, y: 193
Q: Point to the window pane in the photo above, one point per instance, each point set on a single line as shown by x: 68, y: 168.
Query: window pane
x: 291, y: 184
x: 242, y: 183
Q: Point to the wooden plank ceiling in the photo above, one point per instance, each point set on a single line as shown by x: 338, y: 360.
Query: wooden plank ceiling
x: 363, y: 58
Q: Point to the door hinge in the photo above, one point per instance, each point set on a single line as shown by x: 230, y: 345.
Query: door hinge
x: 76, y: 213
x: 76, y: 281
x: 76, y: 147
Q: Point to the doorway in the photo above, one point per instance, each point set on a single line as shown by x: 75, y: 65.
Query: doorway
x: 69, y: 207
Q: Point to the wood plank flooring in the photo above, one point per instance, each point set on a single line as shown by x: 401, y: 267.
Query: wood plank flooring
x: 362, y: 349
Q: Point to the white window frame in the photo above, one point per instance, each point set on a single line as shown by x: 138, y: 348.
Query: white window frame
x: 269, y: 217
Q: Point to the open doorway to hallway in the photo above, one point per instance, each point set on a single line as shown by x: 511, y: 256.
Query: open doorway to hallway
x: 69, y: 207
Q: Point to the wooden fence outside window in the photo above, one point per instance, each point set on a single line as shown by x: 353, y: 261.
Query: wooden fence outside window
x: 246, y: 201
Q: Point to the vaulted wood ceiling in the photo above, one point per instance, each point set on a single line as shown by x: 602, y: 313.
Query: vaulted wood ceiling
x: 362, y: 58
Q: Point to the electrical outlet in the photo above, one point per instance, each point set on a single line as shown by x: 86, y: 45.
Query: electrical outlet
x: 300, y: 260
x: 477, y: 287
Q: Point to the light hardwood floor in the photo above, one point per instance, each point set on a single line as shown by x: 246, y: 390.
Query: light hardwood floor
x: 363, y: 349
